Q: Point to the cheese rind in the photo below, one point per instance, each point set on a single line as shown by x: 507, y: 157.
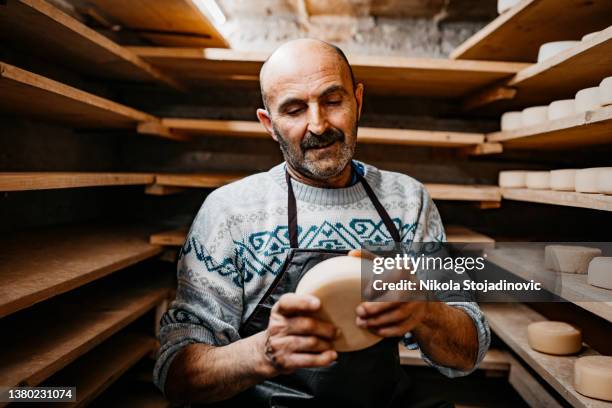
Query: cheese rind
x: 605, y: 91
x: 557, y: 338
x: 587, y: 99
x: 563, y: 179
x: 512, y: 179
x: 569, y: 258
x: 593, y: 377
x: 561, y: 109
x: 600, y: 272
x: 337, y: 283
x: 534, y: 115
x: 550, y: 49
x: 587, y: 179
x: 538, y: 180
x: 511, y: 120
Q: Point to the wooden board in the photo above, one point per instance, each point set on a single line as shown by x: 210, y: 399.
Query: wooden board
x: 71, y: 326
x: 458, y: 233
x: 169, y: 238
x: 97, y: 370
x: 27, y: 181
x: 528, y: 387
x: 509, y: 322
x: 460, y: 192
x: 527, y: 262
x: 517, y: 34
x: 47, y: 31
x: 28, y: 94
x: 199, y: 180
x: 565, y: 198
x: 165, y: 22
x: 496, y: 360
x: 238, y: 128
x: 437, y: 78
x: 37, y: 265
x: 580, y: 130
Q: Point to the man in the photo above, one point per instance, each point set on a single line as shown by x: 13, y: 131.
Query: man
x: 236, y: 333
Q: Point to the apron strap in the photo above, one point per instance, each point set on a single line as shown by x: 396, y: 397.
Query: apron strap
x: 292, y: 210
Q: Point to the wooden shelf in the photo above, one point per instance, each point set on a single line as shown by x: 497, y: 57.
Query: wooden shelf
x: 458, y: 192
x: 494, y: 360
x: 237, y: 128
x: 527, y: 262
x: 558, y: 77
x: 517, y: 34
x: 454, y: 233
x: 97, y: 370
x: 565, y: 198
x: 46, y: 31
x: 42, y: 264
x: 436, y: 78
x: 70, y: 326
x: 28, y: 181
x: 581, y: 130
x: 198, y: 180
x: 165, y: 22
x: 37, y: 97
x: 509, y: 322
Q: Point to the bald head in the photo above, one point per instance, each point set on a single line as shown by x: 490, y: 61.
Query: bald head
x: 302, y: 57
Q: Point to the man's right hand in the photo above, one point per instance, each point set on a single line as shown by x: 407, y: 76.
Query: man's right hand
x: 295, y: 338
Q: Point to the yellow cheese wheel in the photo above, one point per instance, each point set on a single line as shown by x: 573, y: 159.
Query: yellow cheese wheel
x: 569, y: 258
x: 337, y: 283
x: 557, y: 338
x: 563, y: 180
x: 512, y: 178
x: 593, y: 377
x: 538, y: 180
x: 600, y: 272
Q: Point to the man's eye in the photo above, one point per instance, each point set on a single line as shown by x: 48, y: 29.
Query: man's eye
x: 294, y: 111
x: 334, y: 102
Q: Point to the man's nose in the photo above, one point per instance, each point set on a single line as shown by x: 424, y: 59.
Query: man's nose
x: 317, y: 121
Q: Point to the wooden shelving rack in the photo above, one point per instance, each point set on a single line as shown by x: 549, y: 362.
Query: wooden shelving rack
x: 27, y: 181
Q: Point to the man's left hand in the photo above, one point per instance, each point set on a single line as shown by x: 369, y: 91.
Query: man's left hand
x: 391, y: 319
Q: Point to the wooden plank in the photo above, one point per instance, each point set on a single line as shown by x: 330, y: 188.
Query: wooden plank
x: 69, y: 327
x: 509, y: 322
x: 517, y: 34
x: 566, y: 198
x: 527, y: 262
x: 438, y: 78
x: 45, y: 30
x: 528, y: 387
x: 238, y: 128
x: 97, y: 370
x: 198, y: 180
x: 165, y: 22
x: 169, y: 238
x: 460, y: 192
x: 27, y: 181
x: 495, y: 360
x: 28, y: 94
x: 39, y: 265
x: 583, y: 129
x: 458, y: 233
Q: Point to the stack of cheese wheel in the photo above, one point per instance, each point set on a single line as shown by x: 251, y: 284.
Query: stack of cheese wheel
x: 337, y: 283
x: 600, y: 272
x: 558, y: 338
x: 569, y: 258
x: 593, y: 377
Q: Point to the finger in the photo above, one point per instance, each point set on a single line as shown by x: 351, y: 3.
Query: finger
x: 369, y: 309
x: 304, y: 344
x: 392, y: 316
x: 310, y: 326
x: 290, y: 304
x: 306, y: 360
x: 398, y: 330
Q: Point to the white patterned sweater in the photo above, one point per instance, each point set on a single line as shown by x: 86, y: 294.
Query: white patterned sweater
x: 239, y: 240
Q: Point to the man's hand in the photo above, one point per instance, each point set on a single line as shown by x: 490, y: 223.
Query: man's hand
x: 295, y: 338
x: 391, y: 319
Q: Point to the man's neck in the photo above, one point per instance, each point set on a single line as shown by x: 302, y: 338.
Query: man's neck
x: 343, y: 179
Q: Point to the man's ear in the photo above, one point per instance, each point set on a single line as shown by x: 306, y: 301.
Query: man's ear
x: 359, y: 98
x: 264, y: 119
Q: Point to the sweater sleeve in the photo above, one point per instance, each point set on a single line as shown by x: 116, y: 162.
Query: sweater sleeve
x: 430, y: 229
x: 209, y: 298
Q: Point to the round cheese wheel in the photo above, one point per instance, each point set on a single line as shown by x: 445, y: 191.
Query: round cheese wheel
x: 534, y: 115
x: 511, y: 120
x: 593, y: 377
x: 505, y: 5
x: 569, y: 258
x: 600, y: 272
x: 538, y: 180
x: 558, y: 338
x: 587, y: 99
x: 603, y: 181
x: 512, y: 179
x: 587, y: 179
x: 589, y: 36
x: 605, y: 91
x: 550, y: 49
x: 337, y: 283
x: 561, y: 109
x: 563, y: 180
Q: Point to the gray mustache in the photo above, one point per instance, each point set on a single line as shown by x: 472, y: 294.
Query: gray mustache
x: 314, y: 141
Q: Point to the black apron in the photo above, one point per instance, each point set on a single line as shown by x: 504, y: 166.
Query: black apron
x: 372, y: 377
